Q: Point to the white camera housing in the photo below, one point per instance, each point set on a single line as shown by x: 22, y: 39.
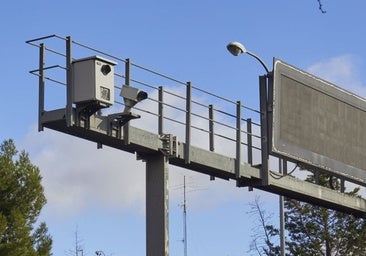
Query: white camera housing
x: 131, y: 96
x: 93, y: 80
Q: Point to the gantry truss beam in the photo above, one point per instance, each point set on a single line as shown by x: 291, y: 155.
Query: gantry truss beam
x: 145, y: 144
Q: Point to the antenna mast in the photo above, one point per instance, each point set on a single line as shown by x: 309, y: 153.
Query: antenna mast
x: 77, y: 246
x: 184, y: 217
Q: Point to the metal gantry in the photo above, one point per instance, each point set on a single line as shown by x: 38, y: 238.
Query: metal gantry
x: 176, y: 115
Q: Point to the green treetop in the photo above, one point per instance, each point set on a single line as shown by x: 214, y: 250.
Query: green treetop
x: 21, y: 201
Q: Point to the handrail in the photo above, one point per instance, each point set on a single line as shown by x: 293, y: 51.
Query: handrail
x: 226, y: 120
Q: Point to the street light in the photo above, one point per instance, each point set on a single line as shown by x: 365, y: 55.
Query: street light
x: 265, y: 98
x: 236, y: 48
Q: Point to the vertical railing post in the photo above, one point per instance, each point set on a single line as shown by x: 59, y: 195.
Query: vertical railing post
x: 126, y: 127
x: 187, y: 149
x: 316, y: 176
x: 127, y: 72
x: 238, y: 140
x: 211, y: 127
x: 160, y: 111
x: 249, y: 141
x: 41, y: 87
x: 343, y: 187
x: 211, y: 131
x: 69, y: 86
x: 264, y: 130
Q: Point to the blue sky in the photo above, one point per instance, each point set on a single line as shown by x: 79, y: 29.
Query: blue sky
x: 101, y: 192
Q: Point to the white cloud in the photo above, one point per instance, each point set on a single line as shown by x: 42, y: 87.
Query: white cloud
x: 75, y: 173
x: 341, y: 70
x: 77, y: 177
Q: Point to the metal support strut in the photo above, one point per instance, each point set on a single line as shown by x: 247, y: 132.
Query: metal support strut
x: 157, y: 203
x: 264, y: 130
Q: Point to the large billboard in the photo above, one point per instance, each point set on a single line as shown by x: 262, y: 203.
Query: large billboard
x: 317, y: 123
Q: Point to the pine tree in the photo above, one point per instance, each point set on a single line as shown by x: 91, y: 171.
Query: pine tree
x: 21, y: 201
x: 313, y: 230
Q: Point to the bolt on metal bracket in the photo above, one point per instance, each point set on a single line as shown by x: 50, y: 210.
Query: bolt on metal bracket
x: 169, y: 148
x: 118, y: 120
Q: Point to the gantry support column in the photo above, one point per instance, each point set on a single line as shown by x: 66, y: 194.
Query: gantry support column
x: 157, y: 205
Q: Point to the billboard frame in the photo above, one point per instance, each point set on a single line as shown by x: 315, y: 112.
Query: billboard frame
x: 283, y: 148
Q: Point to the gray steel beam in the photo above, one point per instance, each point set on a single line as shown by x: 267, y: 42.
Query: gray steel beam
x: 238, y: 139
x: 282, y: 212
x: 126, y: 128
x: 211, y: 125
x: 69, y: 82
x: 41, y: 86
x: 208, y: 162
x: 157, y: 203
x: 161, y: 111
x: 264, y: 129
x: 249, y: 141
x: 188, y: 121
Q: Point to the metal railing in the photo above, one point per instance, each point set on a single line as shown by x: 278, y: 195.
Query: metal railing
x: 181, y: 108
x: 178, y: 108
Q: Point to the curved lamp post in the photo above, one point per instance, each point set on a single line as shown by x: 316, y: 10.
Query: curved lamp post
x: 265, y: 85
x: 236, y: 48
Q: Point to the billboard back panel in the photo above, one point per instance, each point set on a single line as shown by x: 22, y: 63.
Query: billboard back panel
x: 318, y: 123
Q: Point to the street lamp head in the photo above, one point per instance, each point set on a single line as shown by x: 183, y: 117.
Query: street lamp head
x: 236, y: 48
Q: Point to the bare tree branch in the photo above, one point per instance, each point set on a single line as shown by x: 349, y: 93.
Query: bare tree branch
x: 321, y: 6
